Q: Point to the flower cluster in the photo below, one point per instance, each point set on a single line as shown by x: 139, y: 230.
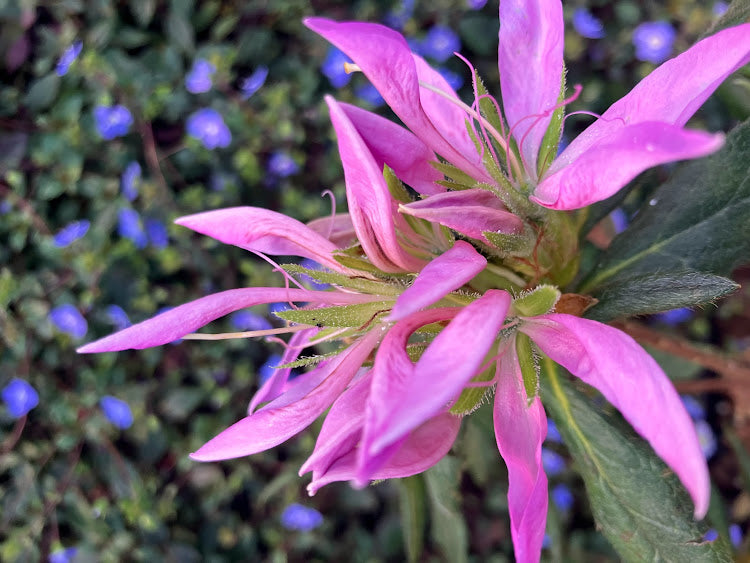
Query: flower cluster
x: 433, y: 302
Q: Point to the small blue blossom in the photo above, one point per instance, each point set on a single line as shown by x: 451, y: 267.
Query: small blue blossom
x: 368, y: 93
x: 112, y: 121
x: 63, y: 555
x: 711, y: 535
x: 66, y: 59
x: 398, y: 17
x: 157, y: 233
x: 562, y: 497
x: 20, y: 397
x: 118, y: 317
x: 116, y: 411
x: 198, y: 80
x: 254, y: 82
x: 268, y: 368
x: 720, y: 8
x: 735, y: 535
x: 278, y: 307
x: 440, y: 43
x: 694, y: 407
x: 312, y: 265
x: 675, y: 316
x: 333, y: 68
x: 653, y: 41
x: 553, y: 434
x: 415, y: 45
x: 71, y: 233
x: 301, y: 518
x: 281, y: 165
x: 453, y: 79
x: 476, y: 4
x: 130, y: 180
x: 5, y: 207
x: 706, y: 438
x: 546, y: 541
x: 249, y: 320
x: 129, y: 226
x: 553, y: 463
x: 68, y: 318
x: 619, y: 220
x: 587, y: 24
x: 209, y: 128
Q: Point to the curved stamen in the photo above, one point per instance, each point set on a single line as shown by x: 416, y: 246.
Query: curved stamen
x: 329, y: 193
x: 283, y: 272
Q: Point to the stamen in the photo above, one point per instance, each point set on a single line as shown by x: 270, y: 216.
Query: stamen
x: 329, y: 193
x: 248, y: 334
x: 349, y: 68
x: 283, y: 272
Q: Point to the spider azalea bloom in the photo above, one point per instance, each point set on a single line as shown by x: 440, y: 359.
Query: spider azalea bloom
x: 437, y: 299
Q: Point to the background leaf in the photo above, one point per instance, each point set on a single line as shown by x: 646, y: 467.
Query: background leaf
x: 448, y: 528
x: 412, y: 503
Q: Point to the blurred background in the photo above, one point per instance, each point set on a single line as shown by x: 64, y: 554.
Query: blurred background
x: 116, y: 117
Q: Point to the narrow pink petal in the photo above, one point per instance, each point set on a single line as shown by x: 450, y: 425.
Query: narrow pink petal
x: 689, y: 78
x: 274, y: 385
x: 385, y: 58
x: 445, y: 367
x: 182, y: 320
x: 469, y: 212
x: 530, y: 59
x: 520, y: 429
x: 337, y: 228
x: 606, y: 167
x: 423, y: 448
x: 280, y: 420
x: 264, y: 231
x: 633, y: 382
x: 444, y: 274
x: 397, y: 147
x: 371, y: 205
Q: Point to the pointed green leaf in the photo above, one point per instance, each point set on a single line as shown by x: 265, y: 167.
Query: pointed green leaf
x: 395, y: 186
x: 413, y: 505
x: 454, y: 173
x: 654, y: 293
x: 528, y: 361
x: 515, y: 245
x: 698, y: 220
x: 447, y: 525
x: 341, y: 316
x: 639, y: 505
x: 362, y: 285
x: 539, y: 301
x: 551, y: 139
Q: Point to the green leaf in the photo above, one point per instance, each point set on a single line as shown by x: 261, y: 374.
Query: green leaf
x: 448, y: 528
x: 654, y: 293
x: 412, y: 503
x: 360, y: 284
x: 180, y: 30
x: 458, y: 176
x: 639, y: 505
x: 142, y: 11
x: 342, y: 316
x: 698, y: 220
x: 42, y: 92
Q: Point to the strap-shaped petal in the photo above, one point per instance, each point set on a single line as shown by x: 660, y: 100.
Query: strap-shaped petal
x: 397, y: 147
x: 607, y: 166
x: 633, y: 382
x: 530, y: 60
x: 184, y: 319
x: 520, y: 429
x: 444, y: 274
x: 337, y: 228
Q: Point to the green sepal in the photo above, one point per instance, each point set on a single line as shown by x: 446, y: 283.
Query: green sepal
x: 488, y: 110
x: 355, y: 315
x: 540, y: 301
x: 472, y: 398
x: 509, y: 244
x: 308, y: 360
x: 458, y: 176
x: 349, y: 259
x: 528, y: 360
x: 397, y: 189
x: 362, y: 285
x: 551, y: 139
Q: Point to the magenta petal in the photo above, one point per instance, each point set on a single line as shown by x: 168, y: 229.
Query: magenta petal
x: 607, y: 166
x: 337, y: 228
x: 445, y: 367
x: 444, y: 274
x: 689, y: 78
x: 520, y: 429
x: 469, y: 212
x: 386, y: 60
x: 176, y: 323
x: 397, y: 147
x: 423, y: 448
x: 281, y: 419
x: 371, y: 206
x: 530, y: 60
x: 264, y: 231
x: 633, y: 382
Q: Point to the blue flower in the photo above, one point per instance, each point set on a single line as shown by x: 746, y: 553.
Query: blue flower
x: 281, y: 165
x: 312, y: 265
x: 66, y: 59
x: 546, y: 541
x: 248, y: 320
x: 453, y: 79
x: 157, y: 233
x: 553, y: 463
x: 111, y: 122
x: 198, y: 80
x: 653, y: 41
x: 368, y: 93
x: 398, y: 17
x: 476, y: 4
x: 5, y: 207
x: 711, y: 535
x: 706, y: 438
x: 440, y: 43
x: 130, y: 180
x: 278, y: 308
x: 118, y: 317
x: 68, y: 319
x: 129, y: 226
x: 301, y: 518
x: 116, y: 411
x: 675, y: 316
x: 562, y: 497
x: 268, y: 368
x: 71, y: 233
x: 587, y: 24
x: 20, y: 397
x: 693, y: 407
x: 63, y: 555
x: 333, y: 68
x: 619, y: 220
x: 253, y: 83
x: 209, y: 128
x: 719, y: 9
x: 735, y: 535
x: 553, y: 434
